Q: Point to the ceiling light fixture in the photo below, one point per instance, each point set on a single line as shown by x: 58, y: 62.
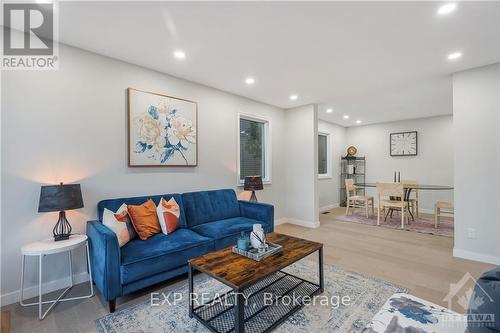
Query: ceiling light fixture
x: 358, y: 121
x: 447, y: 8
x: 249, y: 80
x: 294, y: 97
x: 329, y: 110
x: 454, y: 55
x: 179, y: 54
x: 346, y: 117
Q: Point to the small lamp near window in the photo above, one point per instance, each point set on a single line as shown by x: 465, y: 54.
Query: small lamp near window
x: 59, y: 198
x: 253, y: 183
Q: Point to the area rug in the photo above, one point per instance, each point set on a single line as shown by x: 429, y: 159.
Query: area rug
x: 407, y: 313
x: 423, y: 224
x: 366, y: 295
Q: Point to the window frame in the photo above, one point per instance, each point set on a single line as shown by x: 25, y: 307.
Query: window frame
x: 328, y: 173
x: 267, y: 146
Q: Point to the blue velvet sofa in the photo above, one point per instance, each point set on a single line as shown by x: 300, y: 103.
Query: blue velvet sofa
x: 487, y: 290
x: 209, y: 220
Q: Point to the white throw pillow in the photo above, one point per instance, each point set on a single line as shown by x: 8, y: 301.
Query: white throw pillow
x: 118, y: 222
x: 168, y: 215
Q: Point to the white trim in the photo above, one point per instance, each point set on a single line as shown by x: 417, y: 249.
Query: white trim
x: 280, y: 221
x: 267, y: 145
x: 307, y: 224
x: 47, y: 287
x: 328, y: 174
x: 328, y: 207
x: 465, y: 254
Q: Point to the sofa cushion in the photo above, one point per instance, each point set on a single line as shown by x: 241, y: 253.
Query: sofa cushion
x: 209, y: 206
x: 224, y: 228
x: 160, y: 252
x: 114, y: 204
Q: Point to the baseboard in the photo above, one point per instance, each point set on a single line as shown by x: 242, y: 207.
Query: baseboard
x: 328, y: 207
x: 464, y: 254
x: 308, y: 224
x: 282, y: 220
x: 47, y: 287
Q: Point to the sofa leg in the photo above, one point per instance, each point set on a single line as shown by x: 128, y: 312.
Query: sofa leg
x: 112, y: 305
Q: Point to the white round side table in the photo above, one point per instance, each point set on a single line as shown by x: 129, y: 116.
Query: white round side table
x: 46, y: 247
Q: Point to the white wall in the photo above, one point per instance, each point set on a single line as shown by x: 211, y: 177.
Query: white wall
x: 69, y: 125
x: 328, y: 188
x: 433, y: 164
x: 476, y: 108
x: 301, y: 169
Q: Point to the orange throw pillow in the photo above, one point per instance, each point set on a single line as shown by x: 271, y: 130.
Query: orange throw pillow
x: 144, y: 219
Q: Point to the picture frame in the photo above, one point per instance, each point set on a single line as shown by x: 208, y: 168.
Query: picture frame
x: 403, y: 143
x: 162, y: 130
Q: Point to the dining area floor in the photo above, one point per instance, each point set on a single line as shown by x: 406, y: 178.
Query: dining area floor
x: 422, y: 263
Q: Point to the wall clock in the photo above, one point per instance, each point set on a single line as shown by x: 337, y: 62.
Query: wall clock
x: 351, y: 151
x: 404, y: 144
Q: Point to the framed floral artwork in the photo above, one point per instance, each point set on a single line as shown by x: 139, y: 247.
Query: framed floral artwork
x: 162, y: 130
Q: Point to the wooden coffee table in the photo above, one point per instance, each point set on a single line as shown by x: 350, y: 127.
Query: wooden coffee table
x: 247, y: 307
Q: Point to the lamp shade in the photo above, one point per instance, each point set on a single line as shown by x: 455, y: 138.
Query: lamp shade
x: 54, y: 198
x: 253, y: 183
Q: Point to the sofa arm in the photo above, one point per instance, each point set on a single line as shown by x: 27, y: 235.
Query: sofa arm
x: 486, y: 289
x: 104, y: 259
x: 258, y: 211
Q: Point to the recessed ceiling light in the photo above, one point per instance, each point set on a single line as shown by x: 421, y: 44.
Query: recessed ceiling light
x: 346, y: 116
x: 294, y: 97
x: 454, y: 55
x: 447, y: 8
x: 358, y: 121
x: 329, y: 110
x: 179, y: 54
x: 249, y: 80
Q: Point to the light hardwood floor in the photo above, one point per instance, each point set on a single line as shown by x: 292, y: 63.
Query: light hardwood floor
x: 422, y: 263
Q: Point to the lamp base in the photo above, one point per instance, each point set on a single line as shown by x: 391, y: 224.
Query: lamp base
x: 253, y: 198
x: 62, y: 229
x: 61, y: 237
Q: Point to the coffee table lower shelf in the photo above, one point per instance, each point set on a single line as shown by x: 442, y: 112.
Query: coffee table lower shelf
x: 264, y: 307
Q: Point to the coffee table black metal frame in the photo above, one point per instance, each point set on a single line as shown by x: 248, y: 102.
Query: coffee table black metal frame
x: 236, y: 323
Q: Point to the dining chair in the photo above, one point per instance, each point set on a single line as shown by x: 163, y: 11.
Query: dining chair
x: 386, y: 194
x: 413, y: 200
x: 438, y: 212
x: 352, y: 200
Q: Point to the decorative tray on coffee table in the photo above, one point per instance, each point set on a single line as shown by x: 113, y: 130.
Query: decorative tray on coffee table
x: 254, y: 254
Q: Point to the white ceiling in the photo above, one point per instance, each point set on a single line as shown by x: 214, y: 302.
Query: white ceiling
x: 376, y: 61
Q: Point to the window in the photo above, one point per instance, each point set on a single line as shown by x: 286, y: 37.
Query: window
x: 323, y: 155
x: 253, y: 140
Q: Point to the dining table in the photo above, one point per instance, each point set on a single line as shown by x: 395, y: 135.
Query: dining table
x: 407, y: 191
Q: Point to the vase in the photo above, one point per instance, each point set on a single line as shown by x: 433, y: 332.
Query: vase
x: 257, y: 235
x: 243, y: 244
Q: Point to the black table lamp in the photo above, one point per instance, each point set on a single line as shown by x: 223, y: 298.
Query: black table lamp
x: 253, y: 183
x: 58, y: 198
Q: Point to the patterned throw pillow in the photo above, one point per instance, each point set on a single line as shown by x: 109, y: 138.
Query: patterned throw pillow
x: 168, y: 215
x: 144, y: 219
x: 119, y: 223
